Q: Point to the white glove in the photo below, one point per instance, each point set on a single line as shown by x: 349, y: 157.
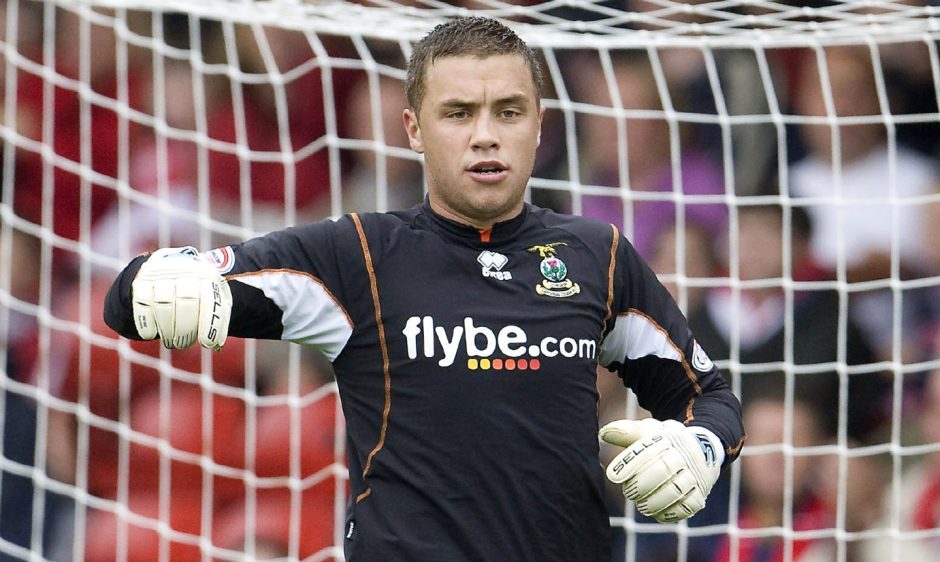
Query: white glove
x: 667, y: 468
x: 181, y: 297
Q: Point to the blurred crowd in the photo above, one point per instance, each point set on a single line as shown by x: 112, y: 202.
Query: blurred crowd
x: 788, y: 197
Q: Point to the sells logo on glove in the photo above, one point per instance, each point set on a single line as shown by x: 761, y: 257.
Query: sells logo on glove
x: 633, y: 453
x: 215, y: 321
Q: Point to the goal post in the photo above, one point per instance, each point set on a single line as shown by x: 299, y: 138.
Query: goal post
x: 774, y: 163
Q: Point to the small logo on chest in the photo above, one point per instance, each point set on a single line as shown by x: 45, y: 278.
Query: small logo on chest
x: 493, y: 263
x: 554, y: 271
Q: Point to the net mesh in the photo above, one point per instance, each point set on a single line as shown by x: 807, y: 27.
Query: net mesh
x: 774, y: 163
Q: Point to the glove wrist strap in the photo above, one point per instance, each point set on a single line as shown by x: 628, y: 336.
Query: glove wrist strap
x: 716, y: 447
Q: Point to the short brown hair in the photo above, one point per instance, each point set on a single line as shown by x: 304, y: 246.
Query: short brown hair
x: 473, y: 35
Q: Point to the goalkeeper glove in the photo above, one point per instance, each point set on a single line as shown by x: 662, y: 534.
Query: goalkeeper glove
x: 181, y: 297
x: 667, y: 468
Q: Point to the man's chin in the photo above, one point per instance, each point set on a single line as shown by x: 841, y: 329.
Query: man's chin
x: 496, y: 209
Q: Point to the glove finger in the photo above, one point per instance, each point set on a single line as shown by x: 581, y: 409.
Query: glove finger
x: 631, y: 461
x: 617, y: 470
x: 668, y: 494
x: 675, y: 513
x: 187, y: 313
x: 174, y: 311
x: 164, y: 311
x: 644, y: 450
x: 144, y: 320
x: 214, y: 313
x: 689, y: 506
x: 655, y: 475
x: 684, y: 509
x: 623, y: 433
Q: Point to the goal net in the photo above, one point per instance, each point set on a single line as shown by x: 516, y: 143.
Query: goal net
x: 773, y: 161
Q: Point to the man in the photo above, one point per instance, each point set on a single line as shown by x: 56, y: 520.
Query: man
x: 465, y: 335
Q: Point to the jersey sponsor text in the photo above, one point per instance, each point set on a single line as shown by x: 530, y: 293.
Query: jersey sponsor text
x: 512, y: 342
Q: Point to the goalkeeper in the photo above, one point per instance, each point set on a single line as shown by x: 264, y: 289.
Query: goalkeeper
x: 465, y: 335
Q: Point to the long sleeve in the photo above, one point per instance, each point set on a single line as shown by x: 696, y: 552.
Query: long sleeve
x: 118, y: 309
x: 285, y: 285
x: 651, y: 347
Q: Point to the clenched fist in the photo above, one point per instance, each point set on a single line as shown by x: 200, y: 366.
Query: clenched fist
x: 667, y: 468
x: 180, y: 297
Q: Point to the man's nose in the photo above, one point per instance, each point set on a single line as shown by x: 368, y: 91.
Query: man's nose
x: 484, y: 133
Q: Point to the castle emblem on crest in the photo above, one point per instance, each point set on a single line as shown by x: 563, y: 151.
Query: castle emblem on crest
x: 556, y: 284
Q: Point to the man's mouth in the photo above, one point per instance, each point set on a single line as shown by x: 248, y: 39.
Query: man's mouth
x: 488, y: 172
x: 487, y: 169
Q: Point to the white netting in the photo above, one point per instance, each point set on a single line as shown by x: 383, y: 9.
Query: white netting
x: 774, y: 163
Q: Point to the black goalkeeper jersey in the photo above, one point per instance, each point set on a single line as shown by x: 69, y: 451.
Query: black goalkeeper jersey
x: 466, y: 365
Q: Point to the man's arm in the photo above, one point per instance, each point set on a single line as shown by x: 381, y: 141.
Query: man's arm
x: 287, y: 284
x: 670, y: 462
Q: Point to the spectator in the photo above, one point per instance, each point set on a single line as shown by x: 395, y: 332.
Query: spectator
x: 749, y: 324
x: 162, y: 167
x: 286, y: 175
x: 924, y: 344
x: 175, y: 410
x: 401, y: 176
x: 289, y: 439
x: 853, y: 232
x: 89, y: 372
x: 84, y: 132
x: 140, y: 397
x: 700, y: 263
x: 916, y: 507
x: 771, y: 485
x: 654, y: 167
x: 859, y: 494
x: 19, y: 411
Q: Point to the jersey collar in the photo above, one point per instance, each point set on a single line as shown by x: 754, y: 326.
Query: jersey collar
x: 499, y: 233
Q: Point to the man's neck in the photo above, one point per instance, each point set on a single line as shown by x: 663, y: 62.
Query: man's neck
x: 479, y: 223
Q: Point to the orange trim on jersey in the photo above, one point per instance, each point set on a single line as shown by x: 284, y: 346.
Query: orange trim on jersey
x: 688, y: 412
x: 614, y: 244
x: 485, y: 234
x: 382, y: 345
x: 730, y: 452
x: 689, y: 373
x: 737, y: 448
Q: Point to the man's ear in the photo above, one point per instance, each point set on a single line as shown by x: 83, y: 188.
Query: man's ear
x: 538, y: 140
x: 413, y: 129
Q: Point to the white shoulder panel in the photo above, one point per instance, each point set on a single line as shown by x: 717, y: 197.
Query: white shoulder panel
x: 311, y: 314
x: 636, y: 335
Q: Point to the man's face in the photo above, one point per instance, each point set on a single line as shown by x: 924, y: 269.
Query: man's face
x: 478, y: 129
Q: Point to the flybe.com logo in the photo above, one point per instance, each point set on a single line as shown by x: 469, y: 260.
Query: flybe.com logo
x: 507, y: 348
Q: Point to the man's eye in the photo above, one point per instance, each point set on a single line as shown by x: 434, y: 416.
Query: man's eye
x: 510, y: 113
x: 458, y: 115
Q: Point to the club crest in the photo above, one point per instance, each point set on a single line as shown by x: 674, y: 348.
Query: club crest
x: 556, y: 282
